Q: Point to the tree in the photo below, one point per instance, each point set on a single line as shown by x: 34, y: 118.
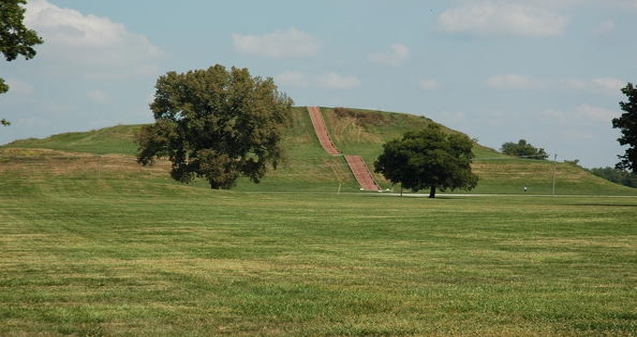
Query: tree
x: 429, y: 158
x: 627, y: 123
x: 215, y: 124
x: 615, y: 175
x: 15, y: 38
x: 524, y: 150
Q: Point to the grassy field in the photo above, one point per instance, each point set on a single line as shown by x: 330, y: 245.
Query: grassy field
x: 127, y: 258
x: 93, y: 244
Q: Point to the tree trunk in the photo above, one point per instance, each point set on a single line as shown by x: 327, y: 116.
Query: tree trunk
x: 432, y: 192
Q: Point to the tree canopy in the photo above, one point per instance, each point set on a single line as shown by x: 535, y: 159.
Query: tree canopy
x: 429, y: 158
x: 618, y: 176
x: 627, y: 123
x: 216, y: 124
x: 524, y: 150
x: 15, y: 38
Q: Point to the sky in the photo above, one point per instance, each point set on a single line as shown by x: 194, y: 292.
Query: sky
x: 547, y: 71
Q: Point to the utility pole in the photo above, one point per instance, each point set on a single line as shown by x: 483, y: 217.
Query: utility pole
x: 554, y: 171
x: 99, y: 168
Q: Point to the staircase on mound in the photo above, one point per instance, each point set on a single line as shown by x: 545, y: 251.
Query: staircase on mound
x: 356, y: 163
x: 321, y: 131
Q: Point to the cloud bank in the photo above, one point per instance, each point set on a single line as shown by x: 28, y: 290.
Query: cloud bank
x: 336, y: 81
x: 489, y: 18
x: 601, y: 86
x: 280, y: 44
x: 93, y: 46
x: 396, y: 56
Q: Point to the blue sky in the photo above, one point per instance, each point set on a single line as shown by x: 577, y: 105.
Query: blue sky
x: 548, y: 71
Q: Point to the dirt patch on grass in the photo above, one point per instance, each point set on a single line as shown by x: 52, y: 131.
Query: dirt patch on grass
x: 7, y: 154
x: 361, y: 118
x: 354, y: 126
x: 33, y: 163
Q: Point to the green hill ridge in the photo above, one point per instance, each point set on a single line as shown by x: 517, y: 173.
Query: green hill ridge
x: 109, y: 154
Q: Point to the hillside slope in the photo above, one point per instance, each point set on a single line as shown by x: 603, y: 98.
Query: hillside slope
x: 113, y: 140
x: 109, y: 154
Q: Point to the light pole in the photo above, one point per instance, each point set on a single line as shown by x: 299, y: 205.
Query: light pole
x: 554, y: 170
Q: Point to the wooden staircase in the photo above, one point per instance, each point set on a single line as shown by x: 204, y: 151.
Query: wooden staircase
x: 356, y: 163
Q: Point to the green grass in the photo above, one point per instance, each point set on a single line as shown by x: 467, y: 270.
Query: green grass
x: 93, y: 244
x: 140, y: 257
x: 117, y: 139
x: 542, y: 177
x: 363, y: 132
x: 309, y: 168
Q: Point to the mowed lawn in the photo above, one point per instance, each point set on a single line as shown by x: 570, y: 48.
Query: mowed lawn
x: 112, y: 258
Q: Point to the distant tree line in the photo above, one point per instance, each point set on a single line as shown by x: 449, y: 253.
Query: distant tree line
x: 612, y: 174
x: 618, y: 176
x: 523, y: 149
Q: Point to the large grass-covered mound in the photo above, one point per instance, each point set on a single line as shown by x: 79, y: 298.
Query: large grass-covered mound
x: 110, y: 152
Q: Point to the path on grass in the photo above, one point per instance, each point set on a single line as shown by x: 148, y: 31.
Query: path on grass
x: 356, y: 163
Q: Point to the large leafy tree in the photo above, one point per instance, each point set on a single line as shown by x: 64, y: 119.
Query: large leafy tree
x: 429, y: 158
x: 627, y: 123
x: 524, y: 150
x: 15, y: 38
x: 216, y: 124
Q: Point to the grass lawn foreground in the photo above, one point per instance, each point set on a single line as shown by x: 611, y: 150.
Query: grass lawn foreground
x: 116, y: 258
x: 92, y: 244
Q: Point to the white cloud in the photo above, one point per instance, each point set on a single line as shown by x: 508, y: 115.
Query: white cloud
x: 596, y: 113
x: 96, y: 46
x: 336, y: 81
x: 98, y: 96
x: 585, y: 112
x: 623, y: 4
x: 288, y: 43
x: 502, y: 18
x: 609, y: 85
x: 512, y: 81
x: 428, y: 84
x: 395, y: 57
x: 561, y: 3
x: 292, y: 79
x: 603, y: 85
